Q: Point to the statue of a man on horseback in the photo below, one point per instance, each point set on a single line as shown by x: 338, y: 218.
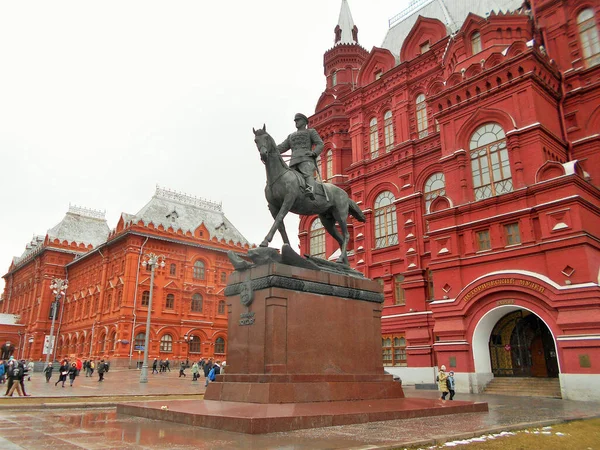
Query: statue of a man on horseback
x: 306, y: 146
x: 283, y: 190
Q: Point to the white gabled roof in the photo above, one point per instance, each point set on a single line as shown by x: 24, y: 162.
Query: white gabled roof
x: 452, y: 13
x: 180, y: 211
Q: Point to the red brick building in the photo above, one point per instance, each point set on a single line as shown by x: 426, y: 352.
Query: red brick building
x: 105, y: 307
x: 471, y: 140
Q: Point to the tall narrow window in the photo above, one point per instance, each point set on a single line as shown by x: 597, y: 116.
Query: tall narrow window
x: 317, y: 239
x: 334, y: 79
x: 421, y: 107
x: 399, y: 294
x: 588, y: 35
x: 173, y: 270
x: 430, y: 286
x: 373, y: 140
x: 476, y: 42
x: 483, y: 240
x: 139, y: 341
x: 490, y: 166
x: 329, y: 165
x: 425, y: 46
x: 196, y: 305
x: 194, y: 344
x: 220, y: 345
x: 221, y: 308
x: 434, y: 187
x: 198, y: 270
x: 388, y: 130
x: 386, y: 227
x: 223, y: 277
x: 145, y: 298
x: 170, y: 302
x: 513, y: 235
x: 166, y: 343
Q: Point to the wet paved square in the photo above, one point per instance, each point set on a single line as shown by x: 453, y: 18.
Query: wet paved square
x: 102, y: 428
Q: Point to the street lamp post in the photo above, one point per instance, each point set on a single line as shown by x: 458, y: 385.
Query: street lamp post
x: 152, y: 261
x: 59, y: 287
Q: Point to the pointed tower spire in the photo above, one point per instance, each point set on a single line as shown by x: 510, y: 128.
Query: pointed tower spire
x: 345, y: 31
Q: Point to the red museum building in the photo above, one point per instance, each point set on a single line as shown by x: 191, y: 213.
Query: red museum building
x: 104, y: 310
x: 471, y: 140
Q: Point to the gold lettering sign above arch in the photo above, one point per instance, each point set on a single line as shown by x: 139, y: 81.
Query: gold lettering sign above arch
x: 503, y: 282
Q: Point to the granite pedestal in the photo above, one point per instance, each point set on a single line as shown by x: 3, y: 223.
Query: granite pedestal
x: 304, y: 350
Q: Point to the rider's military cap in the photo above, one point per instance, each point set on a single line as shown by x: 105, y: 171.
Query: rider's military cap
x: 300, y: 116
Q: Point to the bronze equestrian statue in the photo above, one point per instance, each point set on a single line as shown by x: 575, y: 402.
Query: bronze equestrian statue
x: 286, y: 191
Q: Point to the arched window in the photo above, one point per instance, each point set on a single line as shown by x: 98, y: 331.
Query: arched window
x: 196, y: 303
x: 119, y: 299
x: 489, y: 162
x: 421, y: 108
x: 194, y: 344
x: 220, y: 345
x: 221, y: 308
x: 170, y: 302
x: 112, y: 340
x: 588, y: 35
x: 173, y: 269
x: 108, y: 305
x: 476, y: 42
x: 145, y: 298
x: 388, y: 130
x: 329, y: 162
x: 386, y: 227
x: 166, y: 343
x: 139, y: 341
x: 373, y: 140
x: 317, y: 239
x: 198, y: 270
x: 434, y: 187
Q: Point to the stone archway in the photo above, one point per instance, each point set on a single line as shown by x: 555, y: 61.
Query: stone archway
x: 482, y: 334
x: 521, y: 345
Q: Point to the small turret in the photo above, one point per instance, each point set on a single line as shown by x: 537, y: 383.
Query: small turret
x: 343, y: 61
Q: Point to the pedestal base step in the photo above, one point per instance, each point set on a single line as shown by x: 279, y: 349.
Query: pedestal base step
x: 253, y: 418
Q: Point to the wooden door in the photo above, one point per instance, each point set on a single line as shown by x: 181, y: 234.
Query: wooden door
x: 538, y: 358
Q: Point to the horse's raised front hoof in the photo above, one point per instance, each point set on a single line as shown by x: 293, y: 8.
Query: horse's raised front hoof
x: 264, y: 243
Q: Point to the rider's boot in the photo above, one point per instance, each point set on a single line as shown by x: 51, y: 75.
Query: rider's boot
x: 309, y: 192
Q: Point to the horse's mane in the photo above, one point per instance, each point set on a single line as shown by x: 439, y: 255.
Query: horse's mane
x: 272, y: 145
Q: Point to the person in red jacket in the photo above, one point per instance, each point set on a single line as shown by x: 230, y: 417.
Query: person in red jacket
x: 78, y: 365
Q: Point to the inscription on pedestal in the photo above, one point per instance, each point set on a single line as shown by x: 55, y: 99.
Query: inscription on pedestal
x: 247, y: 318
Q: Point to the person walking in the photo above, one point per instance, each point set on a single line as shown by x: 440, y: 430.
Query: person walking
x: 195, y: 371
x: 182, y: 370
x: 442, y: 384
x: 154, y: 366
x: 62, y: 373
x: 48, y: 372
x: 2, y: 371
x: 15, y: 373
x: 30, y: 367
x: 101, y: 370
x: 211, y: 376
x: 91, y: 367
x: 73, y: 372
x: 451, y: 384
x: 167, y: 365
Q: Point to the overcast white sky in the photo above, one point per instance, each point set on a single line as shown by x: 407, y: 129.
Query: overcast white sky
x: 100, y: 101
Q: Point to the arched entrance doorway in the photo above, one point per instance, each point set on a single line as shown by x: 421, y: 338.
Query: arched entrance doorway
x: 521, y: 345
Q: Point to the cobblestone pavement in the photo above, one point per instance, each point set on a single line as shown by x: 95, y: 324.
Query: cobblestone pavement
x: 90, y: 428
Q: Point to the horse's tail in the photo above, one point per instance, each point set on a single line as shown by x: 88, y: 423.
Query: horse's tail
x: 355, y: 211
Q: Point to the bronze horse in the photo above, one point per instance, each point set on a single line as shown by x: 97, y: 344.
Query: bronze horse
x: 284, y: 194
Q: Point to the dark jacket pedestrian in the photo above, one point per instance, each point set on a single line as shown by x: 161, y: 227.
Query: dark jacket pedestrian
x: 155, y: 365
x: 73, y: 372
x: 48, y: 372
x: 182, y: 370
x: 62, y: 373
x: 451, y: 384
x: 15, y: 375
x: 101, y: 370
